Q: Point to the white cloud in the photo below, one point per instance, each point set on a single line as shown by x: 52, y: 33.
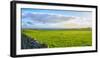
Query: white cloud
x: 40, y: 20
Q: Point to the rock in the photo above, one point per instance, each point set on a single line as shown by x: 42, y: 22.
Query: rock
x: 29, y: 43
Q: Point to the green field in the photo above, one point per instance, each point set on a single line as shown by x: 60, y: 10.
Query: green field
x: 61, y: 38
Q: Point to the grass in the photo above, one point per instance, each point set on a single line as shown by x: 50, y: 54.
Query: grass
x: 61, y: 38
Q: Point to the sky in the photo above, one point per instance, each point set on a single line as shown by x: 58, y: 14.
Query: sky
x: 64, y: 19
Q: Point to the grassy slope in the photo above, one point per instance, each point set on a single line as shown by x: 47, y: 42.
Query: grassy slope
x: 61, y: 38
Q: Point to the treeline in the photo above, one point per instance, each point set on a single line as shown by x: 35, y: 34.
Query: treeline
x: 62, y: 29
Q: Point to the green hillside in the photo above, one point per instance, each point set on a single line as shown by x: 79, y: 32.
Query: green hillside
x: 61, y: 38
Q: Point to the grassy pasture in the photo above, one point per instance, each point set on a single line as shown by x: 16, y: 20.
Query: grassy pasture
x: 61, y: 38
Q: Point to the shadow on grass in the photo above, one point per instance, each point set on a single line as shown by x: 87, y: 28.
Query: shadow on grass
x: 30, y: 43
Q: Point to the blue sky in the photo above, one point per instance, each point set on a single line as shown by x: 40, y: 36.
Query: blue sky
x: 62, y: 12
x: 35, y: 18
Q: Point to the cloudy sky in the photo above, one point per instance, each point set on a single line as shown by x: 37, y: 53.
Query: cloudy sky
x: 64, y: 19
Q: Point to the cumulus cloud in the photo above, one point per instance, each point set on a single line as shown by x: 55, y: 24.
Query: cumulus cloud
x: 47, y: 18
x: 44, y: 20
